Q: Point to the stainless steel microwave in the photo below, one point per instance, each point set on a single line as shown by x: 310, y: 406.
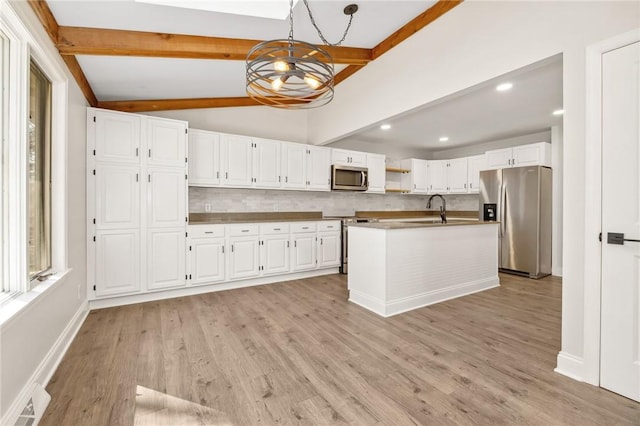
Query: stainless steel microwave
x: 348, y: 178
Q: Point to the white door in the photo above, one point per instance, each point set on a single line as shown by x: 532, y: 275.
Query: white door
x: 117, y: 262
x: 438, y: 176
x: 419, y: 177
x: 294, y: 165
x: 476, y: 163
x: 274, y: 254
x: 166, y: 194
x: 620, y: 305
x: 499, y: 158
x: 166, y: 142
x: 377, y: 173
x: 457, y: 176
x: 303, y: 252
x: 266, y: 158
x: 117, y: 196
x: 204, y: 158
x: 319, y: 168
x: 166, y: 258
x: 236, y: 160
x: 243, y: 259
x: 328, y: 249
x: 207, y: 260
x: 117, y: 137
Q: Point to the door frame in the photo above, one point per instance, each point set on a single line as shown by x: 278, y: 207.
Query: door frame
x: 593, y: 199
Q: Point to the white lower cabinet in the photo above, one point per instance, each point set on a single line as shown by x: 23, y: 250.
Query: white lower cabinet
x: 166, y: 258
x: 244, y: 251
x: 117, y: 262
x: 303, y: 252
x: 328, y: 249
x: 274, y: 248
x: 207, y: 260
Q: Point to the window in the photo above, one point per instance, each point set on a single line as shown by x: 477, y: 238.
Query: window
x: 4, y: 103
x: 39, y: 174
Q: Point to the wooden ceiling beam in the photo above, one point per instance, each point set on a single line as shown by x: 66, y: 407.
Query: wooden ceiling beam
x: 95, y: 41
x: 48, y: 21
x: 174, y: 104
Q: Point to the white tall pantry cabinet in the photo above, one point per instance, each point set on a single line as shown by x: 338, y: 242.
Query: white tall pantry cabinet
x: 136, y: 203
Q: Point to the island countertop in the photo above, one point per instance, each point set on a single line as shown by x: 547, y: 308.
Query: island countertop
x: 421, y: 224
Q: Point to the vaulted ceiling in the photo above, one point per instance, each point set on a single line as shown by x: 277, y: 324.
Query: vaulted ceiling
x: 134, y: 57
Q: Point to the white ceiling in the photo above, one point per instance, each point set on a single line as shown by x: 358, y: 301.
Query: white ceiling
x: 126, y: 78
x: 480, y: 113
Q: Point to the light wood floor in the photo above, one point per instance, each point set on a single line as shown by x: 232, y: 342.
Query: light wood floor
x: 299, y: 353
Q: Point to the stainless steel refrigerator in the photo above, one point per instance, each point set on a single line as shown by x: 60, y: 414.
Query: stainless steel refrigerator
x: 520, y: 199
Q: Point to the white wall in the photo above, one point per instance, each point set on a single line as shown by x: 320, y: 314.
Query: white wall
x: 33, y: 339
x: 485, y: 40
x: 259, y: 121
x: 465, y: 151
x: 390, y: 150
x: 558, y: 208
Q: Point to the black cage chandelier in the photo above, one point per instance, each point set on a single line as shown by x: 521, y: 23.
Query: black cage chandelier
x: 293, y: 74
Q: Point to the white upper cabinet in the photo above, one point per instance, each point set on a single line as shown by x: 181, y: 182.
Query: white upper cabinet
x: 117, y: 136
x: 266, y: 163
x: 318, y: 168
x: 416, y: 182
x: 117, y: 196
x: 204, y: 158
x: 166, y: 258
x: 377, y: 173
x: 524, y: 155
x: 437, y: 176
x: 166, y: 194
x: 294, y: 165
x: 348, y: 158
x: 457, y: 176
x: 475, y: 163
x: 236, y: 160
x: 167, y: 142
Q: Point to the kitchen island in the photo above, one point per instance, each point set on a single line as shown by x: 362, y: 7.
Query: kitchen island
x: 395, y: 267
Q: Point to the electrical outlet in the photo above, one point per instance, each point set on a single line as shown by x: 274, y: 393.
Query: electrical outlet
x: 207, y: 207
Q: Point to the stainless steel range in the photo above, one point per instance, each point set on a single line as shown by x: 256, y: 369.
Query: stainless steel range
x: 346, y: 221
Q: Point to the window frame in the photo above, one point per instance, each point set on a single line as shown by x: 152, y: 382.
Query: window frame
x: 28, y: 41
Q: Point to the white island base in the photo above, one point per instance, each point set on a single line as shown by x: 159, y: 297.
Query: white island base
x: 397, y: 267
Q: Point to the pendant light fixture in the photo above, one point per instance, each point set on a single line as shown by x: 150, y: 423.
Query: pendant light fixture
x: 293, y: 74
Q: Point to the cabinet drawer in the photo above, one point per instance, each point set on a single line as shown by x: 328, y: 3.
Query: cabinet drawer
x: 332, y: 225
x: 303, y: 227
x: 202, y: 231
x: 274, y: 228
x: 242, y: 230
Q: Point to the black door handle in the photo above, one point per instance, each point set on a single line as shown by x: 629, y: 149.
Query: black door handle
x: 619, y: 239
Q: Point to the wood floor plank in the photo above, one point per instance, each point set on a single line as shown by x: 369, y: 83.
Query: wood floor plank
x: 298, y: 352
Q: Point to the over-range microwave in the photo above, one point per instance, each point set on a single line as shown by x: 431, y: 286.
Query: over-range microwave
x: 348, y: 178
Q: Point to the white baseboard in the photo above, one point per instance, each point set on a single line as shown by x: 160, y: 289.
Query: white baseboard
x: 570, y: 366
x: 371, y: 303
x: 556, y: 271
x: 47, y: 367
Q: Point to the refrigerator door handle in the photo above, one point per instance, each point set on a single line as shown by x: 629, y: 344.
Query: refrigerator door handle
x: 503, y: 210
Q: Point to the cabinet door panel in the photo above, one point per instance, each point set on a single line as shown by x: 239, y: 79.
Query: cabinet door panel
x: 329, y: 250
x: 294, y: 166
x: 303, y: 252
x: 167, y: 197
x: 207, y: 260
x: 166, y: 144
x: 243, y: 260
x: 117, y: 137
x: 419, y: 177
x: 166, y: 258
x: 267, y: 164
x: 274, y: 255
x: 457, y: 176
x: 117, y: 262
x: 499, y: 158
x: 476, y: 164
x: 236, y: 160
x: 377, y: 173
x: 204, y: 158
x: 532, y: 154
x: 118, y: 197
x: 319, y: 168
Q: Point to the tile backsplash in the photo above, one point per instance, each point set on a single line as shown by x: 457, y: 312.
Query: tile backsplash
x: 330, y: 203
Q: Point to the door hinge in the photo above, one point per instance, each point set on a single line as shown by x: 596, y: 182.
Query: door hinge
x: 600, y: 237
x: 94, y: 288
x: 189, y: 276
x: 185, y: 177
x: 94, y: 238
x: 186, y: 219
x: 186, y: 131
x: 186, y: 234
x: 94, y: 220
x: 186, y: 277
x: 189, y: 248
x: 94, y: 172
x: 94, y: 152
x: 185, y: 159
x: 94, y: 118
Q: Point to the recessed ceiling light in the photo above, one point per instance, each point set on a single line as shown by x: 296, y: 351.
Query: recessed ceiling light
x: 558, y: 112
x: 503, y: 87
x: 444, y: 139
x: 385, y: 126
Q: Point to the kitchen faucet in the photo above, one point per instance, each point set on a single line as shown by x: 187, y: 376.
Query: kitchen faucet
x: 443, y: 207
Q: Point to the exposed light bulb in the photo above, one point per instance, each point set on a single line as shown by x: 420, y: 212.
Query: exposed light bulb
x: 385, y: 126
x: 277, y: 84
x: 281, y: 66
x: 311, y: 81
x: 503, y: 87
